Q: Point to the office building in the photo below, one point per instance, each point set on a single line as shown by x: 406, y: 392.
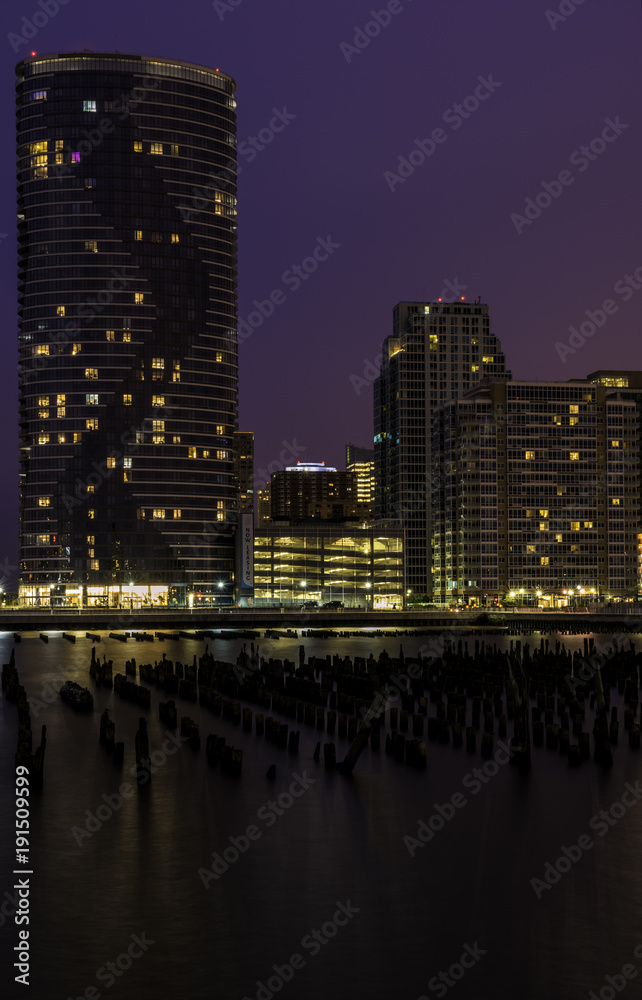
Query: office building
x: 360, y: 462
x: 436, y: 352
x: 537, y: 496
x: 127, y: 344
x: 315, y: 491
x: 263, y: 506
x: 244, y: 469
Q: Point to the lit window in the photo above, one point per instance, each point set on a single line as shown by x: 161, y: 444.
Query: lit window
x: 174, y: 150
x: 76, y: 438
x: 156, y: 147
x: 158, y: 513
x: 127, y: 399
x: 530, y: 549
x: 561, y: 490
x: 91, y: 246
x: 138, y: 146
x: 191, y: 452
x: 474, y: 368
x: 43, y: 400
x: 615, y: 501
x: 175, y: 238
x: 127, y: 336
x: 220, y: 512
x: 177, y: 513
x: 219, y: 356
x: 43, y: 414
x: 127, y: 476
x: 557, y: 420
x: 221, y: 455
x: 38, y: 147
x: 544, y: 526
x: 60, y: 311
x: 75, y: 157
x: 543, y: 513
x: 61, y: 399
x: 176, y: 377
x: 91, y: 424
x: 559, y: 538
x: 89, y: 106
x: 573, y: 408
x: 91, y: 514
x: 110, y: 334
x: 158, y: 401
x: 575, y: 525
x: 220, y: 430
x: 94, y: 564
x: 44, y: 501
x: 39, y: 95
x: 138, y: 235
x: 91, y: 373
x: 76, y: 348
x: 91, y: 488
x: 111, y: 462
x: 615, y: 444
x: 43, y: 439
x: 127, y: 462
x: 91, y: 539
x: 529, y: 455
x: 61, y: 439
x: 488, y: 359
x: 574, y: 456
x: 42, y: 349
x: 544, y: 560
x: 573, y: 421
x: 91, y: 552
x: 206, y: 453
x: 158, y: 439
x: 176, y: 439
x: 139, y: 298
x: 588, y: 524
x: 60, y: 411
x: 158, y: 363
x: 140, y: 513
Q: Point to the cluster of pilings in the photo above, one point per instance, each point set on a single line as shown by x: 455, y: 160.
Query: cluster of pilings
x: 15, y: 692
x: 190, y: 731
x: 230, y: 758
x: 108, y: 739
x: 101, y: 673
x: 130, y: 691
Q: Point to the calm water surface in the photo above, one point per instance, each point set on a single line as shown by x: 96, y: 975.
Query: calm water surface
x: 339, y: 841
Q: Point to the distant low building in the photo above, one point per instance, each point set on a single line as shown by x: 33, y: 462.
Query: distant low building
x: 356, y: 566
x: 313, y: 491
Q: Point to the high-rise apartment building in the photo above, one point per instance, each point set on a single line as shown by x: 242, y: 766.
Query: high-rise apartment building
x: 436, y: 352
x: 537, y: 494
x: 244, y: 469
x: 128, y: 349
x: 263, y: 506
x: 360, y: 462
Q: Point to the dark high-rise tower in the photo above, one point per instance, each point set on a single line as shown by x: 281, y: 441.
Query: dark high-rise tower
x: 128, y: 349
x: 436, y: 352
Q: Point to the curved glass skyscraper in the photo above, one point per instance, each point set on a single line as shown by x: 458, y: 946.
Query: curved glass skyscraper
x: 127, y: 346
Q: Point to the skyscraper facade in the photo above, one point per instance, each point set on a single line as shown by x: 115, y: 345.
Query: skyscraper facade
x: 360, y: 462
x: 128, y: 353
x: 436, y: 352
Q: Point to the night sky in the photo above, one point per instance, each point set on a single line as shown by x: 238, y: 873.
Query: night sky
x: 347, y: 113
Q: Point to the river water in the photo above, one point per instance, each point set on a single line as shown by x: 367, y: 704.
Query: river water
x: 407, y: 911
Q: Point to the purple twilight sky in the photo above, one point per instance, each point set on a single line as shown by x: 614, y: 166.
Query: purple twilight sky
x: 349, y: 112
